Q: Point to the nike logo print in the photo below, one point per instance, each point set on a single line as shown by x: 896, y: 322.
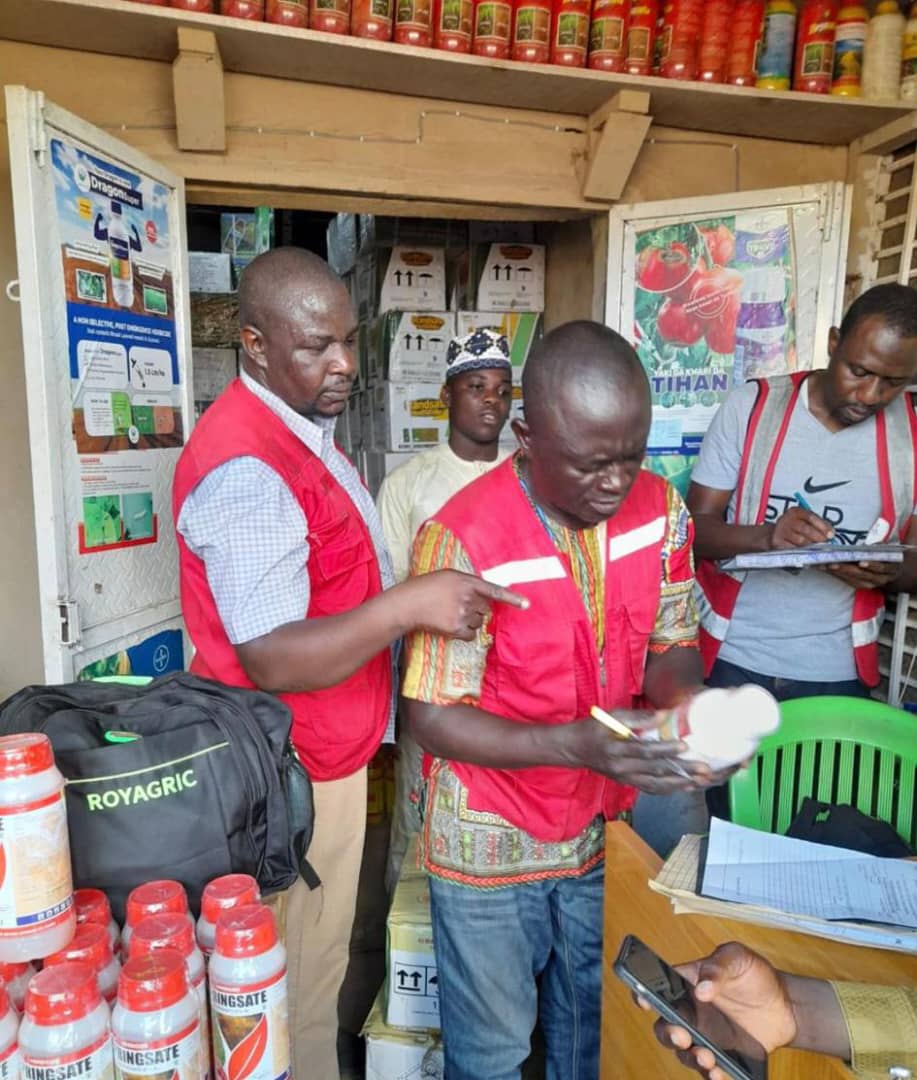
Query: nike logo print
x: 814, y: 489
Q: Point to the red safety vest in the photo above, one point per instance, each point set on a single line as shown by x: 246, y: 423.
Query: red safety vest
x: 896, y: 441
x: 335, y: 731
x: 543, y: 666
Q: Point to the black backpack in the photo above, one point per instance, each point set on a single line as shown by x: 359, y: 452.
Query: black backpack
x: 183, y: 778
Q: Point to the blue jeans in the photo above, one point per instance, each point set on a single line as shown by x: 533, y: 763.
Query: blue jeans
x: 725, y: 674
x: 491, y: 945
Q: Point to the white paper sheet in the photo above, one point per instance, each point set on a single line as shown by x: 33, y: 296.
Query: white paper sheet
x: 752, y: 867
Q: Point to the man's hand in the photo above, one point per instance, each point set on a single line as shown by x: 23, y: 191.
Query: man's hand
x: 865, y: 575
x: 797, y: 528
x: 648, y: 765
x: 750, y: 994
x: 450, y: 603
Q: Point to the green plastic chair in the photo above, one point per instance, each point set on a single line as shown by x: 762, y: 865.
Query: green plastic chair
x: 843, y: 750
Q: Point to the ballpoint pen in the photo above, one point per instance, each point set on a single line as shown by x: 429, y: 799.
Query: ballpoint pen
x: 623, y: 732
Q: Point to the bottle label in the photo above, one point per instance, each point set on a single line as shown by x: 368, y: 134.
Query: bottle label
x: 817, y: 58
x: 413, y: 13
x: 759, y: 352
x: 492, y: 22
x: 777, y: 50
x: 533, y: 24
x: 340, y: 6
x: 638, y: 44
x: 572, y: 31
x: 456, y: 17
x: 36, y: 890
x: 607, y: 36
x: 848, y: 54
x: 89, y: 1063
x: 9, y: 1064
x: 178, y: 1056
x: 381, y: 9
x: 251, y: 1038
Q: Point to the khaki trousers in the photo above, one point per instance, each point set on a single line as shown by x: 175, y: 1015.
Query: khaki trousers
x: 317, y: 925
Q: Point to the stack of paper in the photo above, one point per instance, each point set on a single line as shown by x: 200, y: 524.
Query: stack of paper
x: 771, y: 880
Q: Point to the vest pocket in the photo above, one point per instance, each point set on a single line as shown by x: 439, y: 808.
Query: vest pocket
x: 340, y: 575
x: 534, y: 675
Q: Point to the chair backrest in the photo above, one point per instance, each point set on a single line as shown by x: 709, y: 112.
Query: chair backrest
x: 848, y: 751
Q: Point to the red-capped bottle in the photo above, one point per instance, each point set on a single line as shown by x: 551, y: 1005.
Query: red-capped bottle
x: 248, y: 990
x: 65, y: 1021
x: 570, y: 32
x: 287, y: 12
x: 253, y: 10
x: 330, y: 16
x: 91, y: 945
x: 372, y: 19
x: 414, y: 23
x: 452, y: 25
x: 532, y: 31
x: 641, y: 37
x: 493, y: 29
x: 608, y: 34
x: 814, y: 62
x: 152, y: 898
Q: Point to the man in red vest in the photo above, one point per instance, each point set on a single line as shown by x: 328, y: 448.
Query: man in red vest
x: 519, y: 779
x: 285, y: 586
x: 802, y: 459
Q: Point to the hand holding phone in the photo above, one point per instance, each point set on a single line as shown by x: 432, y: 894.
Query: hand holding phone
x: 736, y: 1053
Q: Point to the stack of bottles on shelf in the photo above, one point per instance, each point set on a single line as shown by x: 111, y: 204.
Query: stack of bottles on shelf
x: 80, y: 997
x: 415, y: 284
x: 817, y: 47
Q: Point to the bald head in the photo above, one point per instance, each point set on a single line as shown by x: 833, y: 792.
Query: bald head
x: 583, y: 368
x: 298, y: 331
x: 273, y: 284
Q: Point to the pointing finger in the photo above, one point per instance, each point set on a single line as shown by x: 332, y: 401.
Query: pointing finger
x: 504, y: 596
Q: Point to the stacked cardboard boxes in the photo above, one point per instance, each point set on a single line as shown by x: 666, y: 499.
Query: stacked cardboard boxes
x: 415, y: 285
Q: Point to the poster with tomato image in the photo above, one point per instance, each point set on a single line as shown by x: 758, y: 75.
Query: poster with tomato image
x: 714, y: 305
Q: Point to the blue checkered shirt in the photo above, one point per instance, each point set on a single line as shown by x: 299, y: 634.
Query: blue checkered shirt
x: 245, y: 525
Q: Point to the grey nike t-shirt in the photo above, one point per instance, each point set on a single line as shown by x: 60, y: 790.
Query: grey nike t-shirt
x: 796, y: 626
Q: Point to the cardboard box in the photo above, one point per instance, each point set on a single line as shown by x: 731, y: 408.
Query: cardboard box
x: 209, y: 272
x: 341, y: 238
x: 413, y: 279
x: 508, y: 277
x: 412, y: 984
x: 396, y: 1054
x: 412, y: 346
x: 212, y: 370
x: 407, y: 416
x: 521, y: 329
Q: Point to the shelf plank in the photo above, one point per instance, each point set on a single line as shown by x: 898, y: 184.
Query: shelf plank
x: 121, y: 28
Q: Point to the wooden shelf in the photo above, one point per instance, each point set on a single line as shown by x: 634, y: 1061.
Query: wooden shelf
x: 120, y: 28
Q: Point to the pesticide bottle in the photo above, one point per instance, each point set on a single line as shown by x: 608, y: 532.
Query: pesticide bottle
x: 155, y: 1026
x: 92, y: 906
x: 153, y: 898
x: 119, y: 258
x: 175, y: 932
x: 248, y: 996
x: 223, y: 894
x: 91, y: 945
x: 15, y: 980
x: 882, y: 54
x: 36, y: 889
x: 65, y: 1030
x: 9, y: 1039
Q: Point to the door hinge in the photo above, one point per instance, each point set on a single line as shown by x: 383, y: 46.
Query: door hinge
x: 69, y: 622
x: 38, y: 136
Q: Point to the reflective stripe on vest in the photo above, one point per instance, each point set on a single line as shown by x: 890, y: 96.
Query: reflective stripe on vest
x: 866, y: 631
x: 523, y: 571
x: 637, y: 539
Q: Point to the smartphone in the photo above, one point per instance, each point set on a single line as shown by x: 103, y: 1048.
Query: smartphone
x: 738, y: 1054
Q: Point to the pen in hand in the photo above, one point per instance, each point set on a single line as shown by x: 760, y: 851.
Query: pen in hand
x: 624, y: 732
x: 805, y: 505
